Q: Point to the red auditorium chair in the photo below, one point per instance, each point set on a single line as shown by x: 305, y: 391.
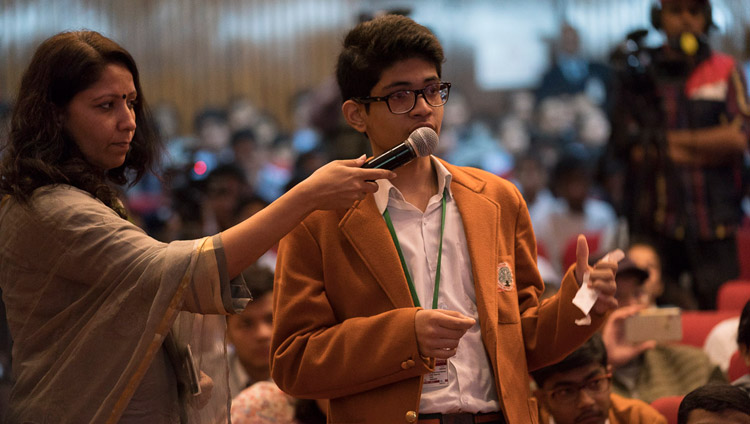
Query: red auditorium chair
x: 668, y: 406
x: 737, y: 367
x: 697, y: 324
x: 733, y: 295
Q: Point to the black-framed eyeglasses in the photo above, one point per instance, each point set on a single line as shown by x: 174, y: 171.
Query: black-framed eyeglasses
x: 593, y: 386
x: 404, y: 101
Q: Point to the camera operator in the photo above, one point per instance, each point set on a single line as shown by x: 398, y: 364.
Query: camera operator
x: 681, y: 123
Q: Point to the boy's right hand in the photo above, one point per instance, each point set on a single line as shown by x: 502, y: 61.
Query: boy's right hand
x: 439, y: 331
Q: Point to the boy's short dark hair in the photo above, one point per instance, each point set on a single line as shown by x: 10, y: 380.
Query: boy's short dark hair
x: 373, y: 46
x: 714, y: 398
x: 743, y: 331
x: 591, y: 352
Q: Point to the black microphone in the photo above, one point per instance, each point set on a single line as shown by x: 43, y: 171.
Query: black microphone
x: 421, y: 142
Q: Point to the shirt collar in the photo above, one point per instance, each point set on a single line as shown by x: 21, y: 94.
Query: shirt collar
x: 386, y: 190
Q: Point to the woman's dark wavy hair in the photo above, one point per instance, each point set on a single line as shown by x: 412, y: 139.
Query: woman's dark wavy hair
x: 373, y: 46
x: 40, y: 152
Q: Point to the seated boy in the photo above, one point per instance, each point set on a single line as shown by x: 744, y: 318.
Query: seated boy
x: 577, y: 390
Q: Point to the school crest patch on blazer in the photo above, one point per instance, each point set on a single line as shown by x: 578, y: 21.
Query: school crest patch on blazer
x: 504, y: 277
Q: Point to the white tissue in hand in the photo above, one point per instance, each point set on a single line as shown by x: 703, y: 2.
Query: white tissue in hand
x: 585, y: 299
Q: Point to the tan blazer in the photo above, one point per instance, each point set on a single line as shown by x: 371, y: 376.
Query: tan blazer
x: 344, y: 318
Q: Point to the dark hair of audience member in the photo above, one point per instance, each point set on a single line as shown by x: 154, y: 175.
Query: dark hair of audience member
x: 715, y: 398
x: 591, y: 352
x: 243, y: 135
x: 228, y: 170
x: 259, y: 280
x: 743, y: 331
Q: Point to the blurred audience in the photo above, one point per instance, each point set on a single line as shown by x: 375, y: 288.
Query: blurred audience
x: 651, y: 369
x: 681, y: 125
x: 249, y: 333
x: 571, y: 73
x: 257, y: 399
x: 743, y: 345
x: 224, y: 187
x: 645, y: 256
x: 574, y: 211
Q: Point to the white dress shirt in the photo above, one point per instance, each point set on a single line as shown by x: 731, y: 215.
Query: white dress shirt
x: 471, y: 386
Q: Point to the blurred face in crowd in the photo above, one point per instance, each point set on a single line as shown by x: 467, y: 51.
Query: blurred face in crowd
x: 223, y: 194
x: 385, y: 129
x: 250, y: 333
x: 101, y: 118
x: 574, y: 188
x: 569, y: 41
x: 701, y: 416
x: 214, y: 134
x: 678, y: 16
x: 532, y: 177
x: 645, y: 257
x: 578, y: 396
x: 630, y: 290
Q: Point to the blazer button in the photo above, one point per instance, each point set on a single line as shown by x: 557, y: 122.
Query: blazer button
x: 411, y: 417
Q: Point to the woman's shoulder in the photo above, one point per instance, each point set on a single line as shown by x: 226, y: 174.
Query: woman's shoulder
x: 60, y: 192
x: 59, y: 196
x: 62, y: 206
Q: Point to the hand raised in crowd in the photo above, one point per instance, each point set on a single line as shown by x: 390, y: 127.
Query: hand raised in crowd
x: 340, y: 183
x: 439, y: 331
x: 619, y: 351
x: 601, y: 275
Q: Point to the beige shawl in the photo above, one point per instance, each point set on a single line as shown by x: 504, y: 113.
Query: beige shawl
x: 90, y: 299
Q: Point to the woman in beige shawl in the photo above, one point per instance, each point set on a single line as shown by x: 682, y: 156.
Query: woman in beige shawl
x: 110, y: 325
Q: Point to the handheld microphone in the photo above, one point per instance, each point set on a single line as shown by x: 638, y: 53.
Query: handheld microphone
x: 421, y: 142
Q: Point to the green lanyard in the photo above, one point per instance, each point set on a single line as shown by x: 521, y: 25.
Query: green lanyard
x: 412, y: 289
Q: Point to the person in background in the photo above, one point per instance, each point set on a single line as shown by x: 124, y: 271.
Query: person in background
x: 714, y: 404
x: 109, y: 324
x: 224, y: 187
x: 743, y: 345
x: 571, y: 74
x: 682, y: 126
x: 249, y: 333
x: 255, y: 398
x: 574, y: 211
x: 645, y: 256
x: 577, y: 390
x: 649, y: 370
x: 247, y: 154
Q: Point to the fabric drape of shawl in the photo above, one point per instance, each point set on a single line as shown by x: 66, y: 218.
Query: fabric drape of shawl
x: 90, y: 299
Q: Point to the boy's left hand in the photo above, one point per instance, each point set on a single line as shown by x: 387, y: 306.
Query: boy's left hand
x: 601, y: 275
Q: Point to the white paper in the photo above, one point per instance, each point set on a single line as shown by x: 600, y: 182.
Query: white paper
x: 585, y: 299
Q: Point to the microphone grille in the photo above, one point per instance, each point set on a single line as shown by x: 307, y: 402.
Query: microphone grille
x: 424, y: 140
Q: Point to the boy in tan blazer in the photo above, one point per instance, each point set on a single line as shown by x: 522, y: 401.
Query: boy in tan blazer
x: 420, y: 302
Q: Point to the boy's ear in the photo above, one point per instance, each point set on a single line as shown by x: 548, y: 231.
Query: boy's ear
x: 354, y: 113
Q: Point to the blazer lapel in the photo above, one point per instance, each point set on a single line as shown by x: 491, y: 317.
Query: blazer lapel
x: 368, y: 234
x: 480, y: 219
